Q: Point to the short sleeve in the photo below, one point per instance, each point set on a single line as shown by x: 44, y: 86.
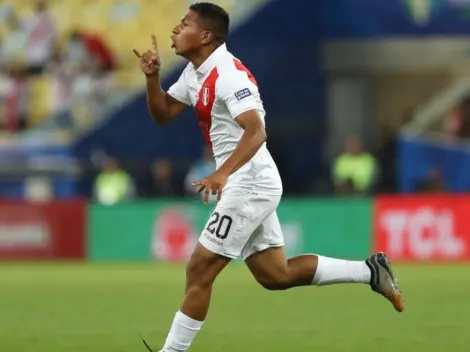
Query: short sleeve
x: 180, y: 91
x: 238, y: 93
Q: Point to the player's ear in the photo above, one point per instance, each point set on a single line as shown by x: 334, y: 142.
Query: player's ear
x: 207, y: 37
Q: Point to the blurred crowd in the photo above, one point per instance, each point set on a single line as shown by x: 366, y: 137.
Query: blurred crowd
x: 354, y: 172
x: 115, y: 184
x: 78, y: 70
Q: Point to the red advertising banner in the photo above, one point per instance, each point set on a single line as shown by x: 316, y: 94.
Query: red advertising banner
x: 53, y: 230
x: 423, y: 228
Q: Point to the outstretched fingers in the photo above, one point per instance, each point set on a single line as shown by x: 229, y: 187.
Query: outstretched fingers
x: 154, y: 44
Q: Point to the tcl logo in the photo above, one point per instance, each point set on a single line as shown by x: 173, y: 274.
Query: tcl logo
x: 423, y: 227
x: 424, y: 234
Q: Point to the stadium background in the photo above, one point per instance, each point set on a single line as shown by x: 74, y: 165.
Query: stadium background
x: 97, y: 220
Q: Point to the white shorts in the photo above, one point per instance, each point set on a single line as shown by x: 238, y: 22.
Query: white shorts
x: 243, y: 223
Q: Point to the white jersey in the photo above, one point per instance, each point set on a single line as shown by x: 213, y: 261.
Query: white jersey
x: 219, y: 90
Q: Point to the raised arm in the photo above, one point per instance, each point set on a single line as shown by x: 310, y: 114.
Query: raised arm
x: 162, y: 106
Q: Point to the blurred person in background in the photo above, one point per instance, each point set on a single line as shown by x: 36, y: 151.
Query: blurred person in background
x: 89, y: 49
x: 433, y: 182
x: 200, y: 169
x: 75, y: 51
x: 4, y: 89
x: 89, y: 94
x: 355, y: 170
x: 457, y: 124
x: 387, y: 162
x: 162, y: 179
x: 113, y: 184
x: 42, y: 32
x: 99, y: 51
x: 14, y: 97
x: 62, y: 75
x: 13, y: 47
x: 87, y: 62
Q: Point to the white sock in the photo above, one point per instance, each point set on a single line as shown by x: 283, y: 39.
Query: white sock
x: 337, y: 271
x: 182, y: 333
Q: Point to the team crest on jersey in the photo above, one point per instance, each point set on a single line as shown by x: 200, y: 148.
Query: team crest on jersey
x: 205, y: 96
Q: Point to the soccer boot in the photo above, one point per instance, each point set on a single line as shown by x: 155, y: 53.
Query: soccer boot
x: 383, y: 281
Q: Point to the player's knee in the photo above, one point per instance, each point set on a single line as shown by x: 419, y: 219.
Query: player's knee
x: 275, y: 282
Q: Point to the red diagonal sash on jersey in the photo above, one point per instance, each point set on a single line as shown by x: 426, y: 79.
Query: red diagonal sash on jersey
x: 205, y: 104
x: 206, y: 99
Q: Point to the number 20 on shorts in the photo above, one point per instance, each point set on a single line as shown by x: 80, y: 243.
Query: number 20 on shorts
x: 219, y: 225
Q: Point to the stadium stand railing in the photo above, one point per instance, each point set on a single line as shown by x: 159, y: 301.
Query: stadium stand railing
x: 427, y: 117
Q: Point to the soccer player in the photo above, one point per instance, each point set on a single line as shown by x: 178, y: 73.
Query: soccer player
x: 244, y: 224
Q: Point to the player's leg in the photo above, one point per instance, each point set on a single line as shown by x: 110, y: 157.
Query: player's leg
x: 201, y: 272
x: 274, y: 271
x: 225, y: 235
x: 266, y: 259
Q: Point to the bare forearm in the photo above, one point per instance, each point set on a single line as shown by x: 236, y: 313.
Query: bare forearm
x: 156, y: 100
x: 248, y: 146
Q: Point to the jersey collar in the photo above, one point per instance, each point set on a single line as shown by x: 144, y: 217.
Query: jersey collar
x: 211, y: 61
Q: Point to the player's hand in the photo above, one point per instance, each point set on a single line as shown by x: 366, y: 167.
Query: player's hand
x: 149, y: 60
x: 213, y: 183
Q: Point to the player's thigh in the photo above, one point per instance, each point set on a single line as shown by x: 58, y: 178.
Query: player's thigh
x: 234, y: 220
x: 264, y: 254
x: 267, y: 235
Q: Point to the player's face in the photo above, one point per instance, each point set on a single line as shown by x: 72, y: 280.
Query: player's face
x: 188, y: 36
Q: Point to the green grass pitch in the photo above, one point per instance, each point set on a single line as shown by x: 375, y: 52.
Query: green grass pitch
x: 106, y: 308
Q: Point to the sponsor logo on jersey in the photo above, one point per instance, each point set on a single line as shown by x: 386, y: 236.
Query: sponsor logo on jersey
x: 242, y: 94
